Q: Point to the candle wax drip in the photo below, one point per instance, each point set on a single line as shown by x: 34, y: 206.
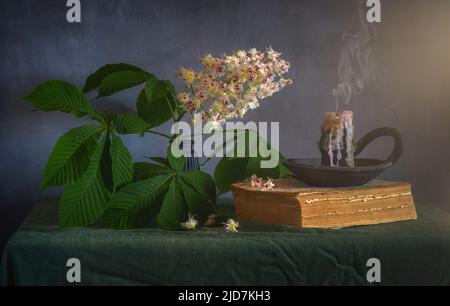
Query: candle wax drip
x: 338, y: 125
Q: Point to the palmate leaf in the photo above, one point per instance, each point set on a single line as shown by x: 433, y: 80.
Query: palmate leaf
x: 82, y: 203
x: 118, y: 81
x: 202, y: 183
x: 163, y: 191
x: 156, y: 103
x: 60, y: 96
x: 130, y: 124
x: 229, y: 171
x: 174, y: 210
x: 135, y: 198
x: 143, y: 171
x: 170, y: 87
x: 179, y: 106
x: 122, y: 164
x: 176, y: 163
x: 199, y: 205
x: 94, y: 80
x: 99, y: 117
x: 71, y: 155
x: 155, y: 89
x: 106, y: 164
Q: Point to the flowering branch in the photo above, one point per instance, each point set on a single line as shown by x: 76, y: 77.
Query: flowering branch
x: 229, y: 86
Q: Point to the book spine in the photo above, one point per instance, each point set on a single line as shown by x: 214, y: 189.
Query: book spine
x: 269, y: 208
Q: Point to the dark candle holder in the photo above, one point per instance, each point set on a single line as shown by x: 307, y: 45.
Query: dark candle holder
x: 317, y: 172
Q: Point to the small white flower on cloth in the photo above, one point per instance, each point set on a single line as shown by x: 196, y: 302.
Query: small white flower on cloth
x: 231, y: 226
x: 190, y: 224
x: 255, y: 181
x: 268, y: 185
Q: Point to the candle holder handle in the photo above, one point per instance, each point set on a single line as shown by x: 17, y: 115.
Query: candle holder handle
x: 381, y: 132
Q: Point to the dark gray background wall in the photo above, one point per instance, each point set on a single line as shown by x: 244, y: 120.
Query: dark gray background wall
x: 413, y: 48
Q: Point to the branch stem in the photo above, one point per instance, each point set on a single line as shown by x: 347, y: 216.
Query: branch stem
x: 160, y: 134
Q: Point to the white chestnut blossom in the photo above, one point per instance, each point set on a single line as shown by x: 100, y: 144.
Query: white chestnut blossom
x: 261, y: 184
x: 231, y: 226
x: 268, y: 185
x: 230, y: 85
x: 211, y: 125
x: 255, y: 181
x: 190, y: 224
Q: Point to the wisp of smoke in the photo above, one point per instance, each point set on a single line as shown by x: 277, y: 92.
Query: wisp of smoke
x: 357, y: 62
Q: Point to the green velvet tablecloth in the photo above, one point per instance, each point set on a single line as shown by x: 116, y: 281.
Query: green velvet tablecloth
x: 411, y: 253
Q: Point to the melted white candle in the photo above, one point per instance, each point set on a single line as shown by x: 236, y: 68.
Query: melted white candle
x: 344, y: 125
x: 330, y: 148
x: 347, y: 123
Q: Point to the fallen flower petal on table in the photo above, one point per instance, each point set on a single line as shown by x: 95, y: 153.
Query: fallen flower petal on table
x: 255, y: 181
x: 231, y: 226
x: 268, y: 185
x: 190, y: 224
x: 211, y: 220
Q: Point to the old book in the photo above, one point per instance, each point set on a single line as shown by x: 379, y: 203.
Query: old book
x: 294, y: 203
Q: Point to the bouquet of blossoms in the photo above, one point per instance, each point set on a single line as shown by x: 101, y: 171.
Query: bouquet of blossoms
x: 104, y: 185
x: 229, y: 86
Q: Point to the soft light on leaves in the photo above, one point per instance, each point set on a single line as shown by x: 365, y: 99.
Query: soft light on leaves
x: 130, y: 123
x: 122, y: 164
x: 119, y: 81
x: 135, y: 198
x: 170, y: 87
x: 94, y: 162
x: 156, y: 104
x: 71, y: 155
x: 83, y: 203
x: 94, y: 80
x: 155, y: 89
x: 60, y: 96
